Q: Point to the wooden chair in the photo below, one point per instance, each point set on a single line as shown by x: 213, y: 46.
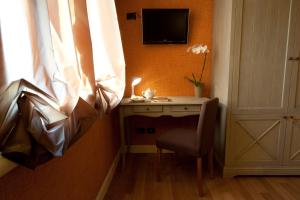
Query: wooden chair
x: 193, y: 142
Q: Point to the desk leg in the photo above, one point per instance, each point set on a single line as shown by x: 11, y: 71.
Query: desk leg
x: 122, y: 134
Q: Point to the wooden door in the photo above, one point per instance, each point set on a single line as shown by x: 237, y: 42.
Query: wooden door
x: 255, y: 140
x: 292, y: 146
x: 293, y: 59
x: 261, y: 78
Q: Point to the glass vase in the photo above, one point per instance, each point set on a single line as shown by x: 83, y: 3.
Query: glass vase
x: 198, y: 91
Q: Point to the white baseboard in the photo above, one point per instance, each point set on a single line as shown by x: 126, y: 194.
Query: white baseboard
x: 106, y: 183
x: 230, y: 172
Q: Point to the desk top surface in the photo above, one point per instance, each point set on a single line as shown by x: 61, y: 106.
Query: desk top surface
x: 173, y: 100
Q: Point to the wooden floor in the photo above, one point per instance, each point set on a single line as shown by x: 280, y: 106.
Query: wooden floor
x: 137, y: 182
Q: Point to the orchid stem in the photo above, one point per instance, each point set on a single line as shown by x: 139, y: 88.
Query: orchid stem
x: 203, y: 66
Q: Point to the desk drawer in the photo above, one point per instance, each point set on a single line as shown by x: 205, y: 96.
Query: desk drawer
x: 185, y: 108
x: 142, y: 109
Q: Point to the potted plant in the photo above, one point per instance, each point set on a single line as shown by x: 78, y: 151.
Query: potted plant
x: 198, y: 84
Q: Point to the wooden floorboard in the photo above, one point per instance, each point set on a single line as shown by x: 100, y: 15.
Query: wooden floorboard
x: 138, y: 182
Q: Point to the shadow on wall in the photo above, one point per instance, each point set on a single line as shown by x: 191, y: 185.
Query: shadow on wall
x: 141, y: 127
x: 220, y: 134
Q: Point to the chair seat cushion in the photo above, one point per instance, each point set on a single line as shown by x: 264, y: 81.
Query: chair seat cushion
x: 179, y: 140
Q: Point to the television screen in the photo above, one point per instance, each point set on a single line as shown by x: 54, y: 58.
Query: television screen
x: 165, y: 26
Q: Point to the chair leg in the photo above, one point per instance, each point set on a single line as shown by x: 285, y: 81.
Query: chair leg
x: 158, y: 155
x: 199, y: 176
x: 211, y: 163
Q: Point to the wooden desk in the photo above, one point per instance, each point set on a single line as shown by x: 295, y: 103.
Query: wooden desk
x: 176, y: 107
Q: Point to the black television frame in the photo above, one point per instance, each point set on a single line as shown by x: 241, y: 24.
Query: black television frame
x: 183, y: 10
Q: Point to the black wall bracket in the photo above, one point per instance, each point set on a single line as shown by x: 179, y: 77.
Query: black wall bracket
x: 131, y: 16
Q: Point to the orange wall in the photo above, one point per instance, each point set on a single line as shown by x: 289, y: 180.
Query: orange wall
x: 77, y: 175
x: 163, y: 67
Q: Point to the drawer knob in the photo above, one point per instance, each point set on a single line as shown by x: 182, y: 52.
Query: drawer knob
x: 185, y: 108
x: 147, y: 109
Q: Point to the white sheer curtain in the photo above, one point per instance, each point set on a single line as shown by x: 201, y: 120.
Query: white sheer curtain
x: 30, y: 54
x: 60, y: 58
x: 41, y: 49
x: 107, y: 52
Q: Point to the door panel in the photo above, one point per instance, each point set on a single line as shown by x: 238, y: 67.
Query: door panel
x: 256, y: 140
x: 292, y: 146
x: 294, y: 51
x: 261, y: 77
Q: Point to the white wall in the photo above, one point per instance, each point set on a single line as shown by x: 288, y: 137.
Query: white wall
x: 220, y: 67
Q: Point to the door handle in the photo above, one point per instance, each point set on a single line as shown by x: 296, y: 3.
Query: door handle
x: 294, y: 58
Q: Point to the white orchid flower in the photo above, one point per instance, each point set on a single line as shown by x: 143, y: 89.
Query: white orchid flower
x: 197, y: 49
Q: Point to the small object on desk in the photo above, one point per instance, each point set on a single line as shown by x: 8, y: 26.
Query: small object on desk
x: 137, y: 99
x: 161, y: 99
x: 149, y: 93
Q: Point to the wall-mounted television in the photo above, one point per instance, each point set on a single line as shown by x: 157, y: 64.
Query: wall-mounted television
x: 165, y: 26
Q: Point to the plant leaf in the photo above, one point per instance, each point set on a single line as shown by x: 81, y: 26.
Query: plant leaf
x: 194, y: 77
x: 190, y: 80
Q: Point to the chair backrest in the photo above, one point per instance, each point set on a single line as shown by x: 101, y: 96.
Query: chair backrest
x: 206, y: 125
